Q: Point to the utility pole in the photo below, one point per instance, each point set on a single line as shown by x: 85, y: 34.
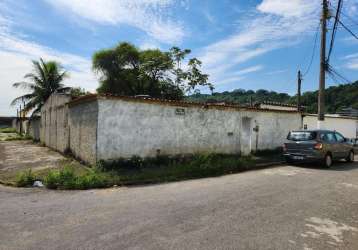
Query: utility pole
x: 299, y: 82
x: 323, y: 66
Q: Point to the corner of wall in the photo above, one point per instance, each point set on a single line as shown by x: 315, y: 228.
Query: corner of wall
x: 96, y: 139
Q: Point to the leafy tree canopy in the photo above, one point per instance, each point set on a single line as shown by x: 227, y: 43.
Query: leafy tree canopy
x: 127, y: 70
x: 46, y: 78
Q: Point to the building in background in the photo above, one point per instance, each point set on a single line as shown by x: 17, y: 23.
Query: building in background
x: 348, y: 112
x: 346, y: 125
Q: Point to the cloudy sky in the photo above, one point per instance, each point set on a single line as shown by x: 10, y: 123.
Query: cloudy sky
x: 249, y: 44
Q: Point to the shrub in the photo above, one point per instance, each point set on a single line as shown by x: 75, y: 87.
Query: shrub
x: 51, y: 181
x: 25, y: 179
x: 268, y: 152
x: 7, y: 130
x: 67, y: 179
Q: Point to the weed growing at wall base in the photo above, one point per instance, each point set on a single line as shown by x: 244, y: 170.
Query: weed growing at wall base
x: 25, y: 179
x: 138, y: 170
x: 8, y: 130
x: 66, y: 178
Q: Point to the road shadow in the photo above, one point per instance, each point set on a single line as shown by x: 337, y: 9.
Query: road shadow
x: 337, y: 166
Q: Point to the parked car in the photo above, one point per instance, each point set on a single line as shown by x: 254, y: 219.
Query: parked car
x: 317, y: 145
x: 354, y: 142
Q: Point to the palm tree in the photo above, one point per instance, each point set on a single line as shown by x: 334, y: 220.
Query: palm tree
x: 43, y: 81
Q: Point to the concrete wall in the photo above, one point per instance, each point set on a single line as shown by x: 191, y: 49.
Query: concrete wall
x: 6, y: 122
x: 54, y: 131
x: 127, y: 128
x: 346, y: 126
x: 83, y: 131
x: 34, y: 128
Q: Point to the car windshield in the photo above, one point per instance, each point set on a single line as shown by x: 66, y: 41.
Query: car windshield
x: 301, y: 136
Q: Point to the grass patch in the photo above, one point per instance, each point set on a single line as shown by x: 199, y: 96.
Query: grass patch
x: 25, y: 179
x: 137, y: 170
x: 149, y: 170
x: 66, y: 178
x: 14, y: 137
x: 8, y: 130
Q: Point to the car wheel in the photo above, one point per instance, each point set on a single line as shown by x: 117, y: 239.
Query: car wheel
x: 350, y: 157
x: 327, y: 162
x: 289, y: 161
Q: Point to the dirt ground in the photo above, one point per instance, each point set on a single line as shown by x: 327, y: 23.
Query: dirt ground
x: 17, y: 156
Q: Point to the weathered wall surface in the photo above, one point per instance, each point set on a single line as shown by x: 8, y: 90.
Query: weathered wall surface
x: 346, y: 126
x: 83, y: 131
x: 34, y: 128
x: 6, y: 122
x: 127, y: 128
x: 54, y: 130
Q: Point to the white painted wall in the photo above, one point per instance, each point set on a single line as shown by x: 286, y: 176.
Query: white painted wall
x: 347, y: 127
x: 135, y: 127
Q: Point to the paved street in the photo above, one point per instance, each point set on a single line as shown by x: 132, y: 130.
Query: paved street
x: 278, y: 208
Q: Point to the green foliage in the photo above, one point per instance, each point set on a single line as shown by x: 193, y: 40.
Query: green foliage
x: 268, y: 152
x: 127, y: 70
x: 77, y: 92
x: 8, y: 130
x: 164, y: 168
x: 66, y: 178
x: 25, y: 179
x: 46, y: 78
x: 337, y: 97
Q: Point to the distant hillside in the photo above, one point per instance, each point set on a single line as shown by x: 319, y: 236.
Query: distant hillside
x: 337, y: 97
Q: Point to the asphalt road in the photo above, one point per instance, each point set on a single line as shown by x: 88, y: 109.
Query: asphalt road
x: 278, y: 208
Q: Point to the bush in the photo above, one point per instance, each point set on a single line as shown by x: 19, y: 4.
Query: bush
x: 8, y: 130
x: 138, y: 170
x: 25, y: 179
x: 67, y: 179
x: 268, y: 152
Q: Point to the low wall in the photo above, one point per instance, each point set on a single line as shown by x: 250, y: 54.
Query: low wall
x: 34, y: 128
x: 6, y: 122
x: 27, y: 126
x: 83, y: 131
x: 134, y: 127
x: 54, y: 131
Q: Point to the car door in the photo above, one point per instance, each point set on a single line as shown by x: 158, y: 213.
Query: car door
x: 342, y: 145
x: 331, y: 144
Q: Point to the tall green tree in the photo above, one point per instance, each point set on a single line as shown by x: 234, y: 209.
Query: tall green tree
x: 46, y: 78
x: 127, y: 70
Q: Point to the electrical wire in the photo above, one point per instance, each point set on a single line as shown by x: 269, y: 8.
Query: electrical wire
x: 347, y: 16
x: 313, y: 52
x: 347, y: 29
x: 333, y: 72
x: 334, y: 31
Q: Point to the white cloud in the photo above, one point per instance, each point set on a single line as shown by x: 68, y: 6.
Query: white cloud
x: 239, y: 75
x: 355, y: 55
x: 275, y: 72
x: 16, y: 54
x: 352, y: 61
x: 150, y: 16
x: 274, y: 24
x: 248, y: 70
x: 292, y: 8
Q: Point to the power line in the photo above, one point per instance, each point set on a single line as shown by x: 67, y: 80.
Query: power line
x: 313, y: 51
x: 333, y: 72
x: 347, y: 16
x: 347, y: 29
x: 334, y: 31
